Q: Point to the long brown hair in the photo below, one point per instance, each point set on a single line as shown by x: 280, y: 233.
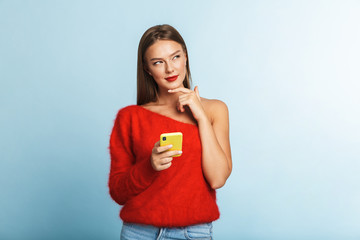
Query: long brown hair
x: 147, y: 88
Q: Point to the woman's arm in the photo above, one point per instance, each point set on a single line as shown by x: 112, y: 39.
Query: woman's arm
x: 216, y: 153
x: 214, y: 135
x: 127, y: 178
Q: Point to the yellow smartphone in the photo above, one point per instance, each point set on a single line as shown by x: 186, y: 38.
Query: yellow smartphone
x: 174, y: 138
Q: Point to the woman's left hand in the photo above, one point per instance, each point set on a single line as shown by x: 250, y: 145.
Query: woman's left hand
x: 192, y: 100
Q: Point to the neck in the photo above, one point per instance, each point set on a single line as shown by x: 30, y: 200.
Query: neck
x: 166, y: 98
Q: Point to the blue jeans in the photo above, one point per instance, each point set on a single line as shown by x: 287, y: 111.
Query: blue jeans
x: 132, y: 231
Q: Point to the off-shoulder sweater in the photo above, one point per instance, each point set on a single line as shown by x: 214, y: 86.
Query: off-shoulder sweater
x: 175, y: 197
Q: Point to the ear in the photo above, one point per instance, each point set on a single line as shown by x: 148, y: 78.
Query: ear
x: 147, y: 70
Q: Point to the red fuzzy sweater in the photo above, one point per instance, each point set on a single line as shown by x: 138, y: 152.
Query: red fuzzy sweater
x: 175, y: 197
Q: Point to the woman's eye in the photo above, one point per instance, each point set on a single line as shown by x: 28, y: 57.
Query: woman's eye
x: 156, y: 63
x: 177, y: 56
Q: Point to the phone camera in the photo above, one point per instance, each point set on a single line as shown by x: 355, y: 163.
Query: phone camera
x: 164, y: 138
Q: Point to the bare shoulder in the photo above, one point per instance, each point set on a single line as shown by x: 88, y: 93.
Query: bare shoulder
x: 215, y: 109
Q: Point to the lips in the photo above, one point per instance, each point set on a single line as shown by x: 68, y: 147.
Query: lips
x: 172, y: 78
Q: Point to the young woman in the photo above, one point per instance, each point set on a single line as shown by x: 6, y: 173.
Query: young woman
x: 166, y: 197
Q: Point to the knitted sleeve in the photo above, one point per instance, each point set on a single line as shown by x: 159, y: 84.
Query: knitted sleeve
x: 127, y: 177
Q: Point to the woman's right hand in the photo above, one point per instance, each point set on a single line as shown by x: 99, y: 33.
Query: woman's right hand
x: 161, y: 158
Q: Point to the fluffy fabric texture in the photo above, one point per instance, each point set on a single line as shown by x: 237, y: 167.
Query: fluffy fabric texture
x: 175, y: 197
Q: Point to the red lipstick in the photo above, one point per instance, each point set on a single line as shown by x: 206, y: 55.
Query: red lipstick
x: 172, y: 78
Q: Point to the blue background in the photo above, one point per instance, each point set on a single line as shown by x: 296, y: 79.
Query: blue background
x: 289, y: 72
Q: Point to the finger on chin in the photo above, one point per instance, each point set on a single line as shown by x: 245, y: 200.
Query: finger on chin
x: 179, y: 89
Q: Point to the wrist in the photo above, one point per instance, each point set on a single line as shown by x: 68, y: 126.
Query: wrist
x: 204, y: 120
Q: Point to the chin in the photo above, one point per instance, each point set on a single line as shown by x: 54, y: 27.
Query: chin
x: 174, y: 84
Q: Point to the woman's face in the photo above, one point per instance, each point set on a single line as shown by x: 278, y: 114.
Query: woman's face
x: 166, y: 63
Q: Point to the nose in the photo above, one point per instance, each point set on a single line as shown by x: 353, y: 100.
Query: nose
x: 169, y: 68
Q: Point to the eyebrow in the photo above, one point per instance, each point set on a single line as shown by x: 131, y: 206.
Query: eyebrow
x: 170, y: 55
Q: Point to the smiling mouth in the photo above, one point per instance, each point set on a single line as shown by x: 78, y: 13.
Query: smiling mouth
x: 172, y: 78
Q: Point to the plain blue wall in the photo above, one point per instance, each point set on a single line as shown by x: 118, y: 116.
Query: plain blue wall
x: 288, y: 70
